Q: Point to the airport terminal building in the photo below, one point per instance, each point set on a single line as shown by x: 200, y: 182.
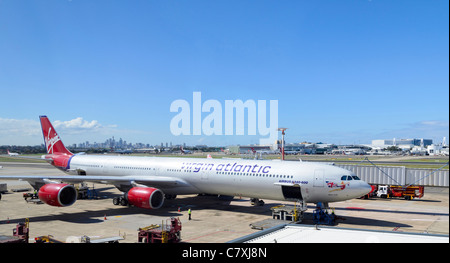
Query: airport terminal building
x: 402, y: 143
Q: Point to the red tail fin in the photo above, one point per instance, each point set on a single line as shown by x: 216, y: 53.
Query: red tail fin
x: 53, y: 143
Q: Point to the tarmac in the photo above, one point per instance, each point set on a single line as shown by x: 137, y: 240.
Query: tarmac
x: 214, y: 219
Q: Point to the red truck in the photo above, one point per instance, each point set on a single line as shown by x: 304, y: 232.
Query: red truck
x: 407, y: 192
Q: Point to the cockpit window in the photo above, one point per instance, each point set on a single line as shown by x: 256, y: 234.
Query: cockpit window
x: 349, y: 177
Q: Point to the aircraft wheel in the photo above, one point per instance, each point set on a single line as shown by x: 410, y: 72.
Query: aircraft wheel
x: 169, y: 197
x: 123, y: 202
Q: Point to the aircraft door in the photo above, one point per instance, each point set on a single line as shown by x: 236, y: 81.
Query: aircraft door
x: 292, y: 192
x: 318, y: 178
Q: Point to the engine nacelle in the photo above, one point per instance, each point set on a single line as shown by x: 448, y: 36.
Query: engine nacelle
x: 145, y: 197
x: 58, y: 194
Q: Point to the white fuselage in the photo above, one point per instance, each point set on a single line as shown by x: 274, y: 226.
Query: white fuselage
x: 275, y: 180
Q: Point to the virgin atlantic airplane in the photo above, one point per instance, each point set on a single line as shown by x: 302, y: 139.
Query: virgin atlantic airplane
x: 147, y: 181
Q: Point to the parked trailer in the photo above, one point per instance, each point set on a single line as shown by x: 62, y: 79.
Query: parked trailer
x: 3, y: 188
x: 78, y: 239
x: 86, y: 239
x: 47, y: 239
x: 32, y: 198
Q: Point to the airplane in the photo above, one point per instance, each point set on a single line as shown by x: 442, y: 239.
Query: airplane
x: 12, y: 154
x: 148, y: 181
x: 291, y: 152
x: 264, y: 151
x: 121, y: 151
x: 183, y: 151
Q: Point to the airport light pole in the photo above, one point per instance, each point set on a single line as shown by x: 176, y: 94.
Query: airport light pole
x: 282, y: 141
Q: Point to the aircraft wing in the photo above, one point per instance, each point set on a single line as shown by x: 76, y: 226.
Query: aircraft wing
x: 151, y: 181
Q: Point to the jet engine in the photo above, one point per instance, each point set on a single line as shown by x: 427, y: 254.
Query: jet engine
x: 145, y: 197
x: 58, y: 194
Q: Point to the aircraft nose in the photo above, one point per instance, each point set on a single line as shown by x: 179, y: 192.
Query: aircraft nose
x: 365, y: 188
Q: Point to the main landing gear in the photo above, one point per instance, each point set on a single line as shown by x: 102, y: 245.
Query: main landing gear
x: 120, y: 201
x: 170, y: 197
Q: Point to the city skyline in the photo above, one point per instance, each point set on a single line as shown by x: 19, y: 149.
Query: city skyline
x: 78, y: 130
x: 112, y: 143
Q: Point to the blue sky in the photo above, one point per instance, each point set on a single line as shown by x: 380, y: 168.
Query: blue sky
x: 342, y: 71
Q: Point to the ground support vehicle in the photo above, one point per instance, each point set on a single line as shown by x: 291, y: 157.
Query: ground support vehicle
x: 20, y: 234
x: 322, y: 217
x: 407, y: 192
x: 166, y: 233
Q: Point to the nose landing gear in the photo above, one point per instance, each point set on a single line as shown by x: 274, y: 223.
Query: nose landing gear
x: 257, y: 202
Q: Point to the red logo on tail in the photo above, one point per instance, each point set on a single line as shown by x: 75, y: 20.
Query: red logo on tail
x: 52, y: 141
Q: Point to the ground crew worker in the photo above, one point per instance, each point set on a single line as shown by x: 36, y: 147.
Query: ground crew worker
x: 189, y: 212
